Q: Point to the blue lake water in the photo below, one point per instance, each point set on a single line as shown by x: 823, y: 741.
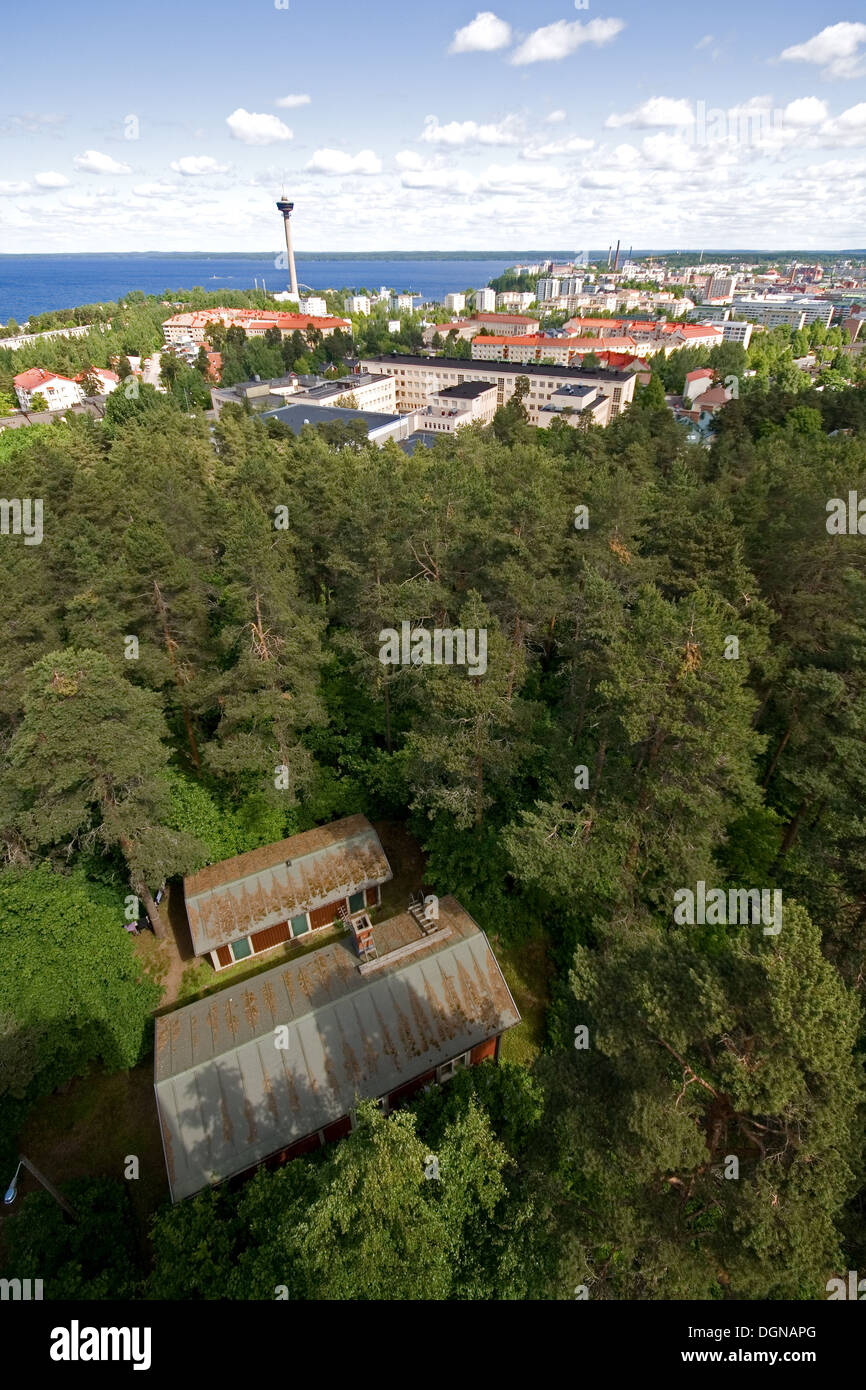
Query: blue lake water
x: 34, y: 284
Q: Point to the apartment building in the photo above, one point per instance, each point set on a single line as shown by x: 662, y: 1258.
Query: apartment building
x: 780, y: 309
x: 455, y: 303
x: 193, y: 327
x: 485, y: 301
x: 539, y: 348
x: 357, y: 304
x: 418, y: 379
x: 58, y: 392
x: 735, y: 332
x: 515, y: 299
x: 506, y: 325
x: 549, y: 288
x: 314, y: 304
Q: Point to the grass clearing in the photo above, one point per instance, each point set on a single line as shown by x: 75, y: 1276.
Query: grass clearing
x: 527, y: 968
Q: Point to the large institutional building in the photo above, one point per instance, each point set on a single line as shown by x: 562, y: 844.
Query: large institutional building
x: 419, y: 379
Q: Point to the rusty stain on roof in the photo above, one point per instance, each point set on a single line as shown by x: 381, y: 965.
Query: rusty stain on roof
x: 269, y: 885
x: 251, y: 1009
x: 269, y: 998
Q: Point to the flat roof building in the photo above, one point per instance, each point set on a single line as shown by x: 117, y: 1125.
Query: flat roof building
x: 379, y: 426
x: 418, y: 379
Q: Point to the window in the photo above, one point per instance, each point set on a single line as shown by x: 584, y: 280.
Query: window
x: 448, y: 1069
x: 300, y: 925
x: 241, y: 948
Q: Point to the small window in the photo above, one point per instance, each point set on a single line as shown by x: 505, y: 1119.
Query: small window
x: 241, y: 948
x: 300, y: 925
x: 447, y: 1070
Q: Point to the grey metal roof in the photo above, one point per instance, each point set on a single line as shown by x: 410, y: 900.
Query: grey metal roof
x: 305, y: 412
x: 269, y: 885
x: 228, y: 1097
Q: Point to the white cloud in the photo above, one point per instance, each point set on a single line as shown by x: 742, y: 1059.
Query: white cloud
x: 485, y: 34
x: 513, y: 177
x: 156, y: 189
x: 469, y: 132
x: 657, y: 111
x: 847, y: 129
x: 555, y: 117
x: 192, y: 164
x: 290, y: 102
x: 555, y: 41
x: 836, y: 50
x: 665, y: 151
x: 339, y: 162
x: 574, y: 144
x: 410, y: 159
x: 92, y: 162
x: 50, y: 179
x: 9, y: 189
x: 805, y: 111
x: 704, y: 42
x: 458, y: 181
x: 257, y: 127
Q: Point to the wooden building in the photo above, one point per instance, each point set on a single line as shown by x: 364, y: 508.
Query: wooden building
x: 271, y: 1067
x: 244, y: 906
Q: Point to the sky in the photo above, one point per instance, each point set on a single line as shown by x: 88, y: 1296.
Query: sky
x: 395, y: 126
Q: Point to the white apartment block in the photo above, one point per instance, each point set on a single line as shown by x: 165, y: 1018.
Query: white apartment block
x: 58, y: 392
x: 455, y: 303
x: 402, y: 303
x: 314, y: 305
x: 368, y: 392
x: 357, y: 304
x: 419, y: 379
x: 778, y: 309
x: 735, y: 332
x: 515, y: 299
x: 485, y: 301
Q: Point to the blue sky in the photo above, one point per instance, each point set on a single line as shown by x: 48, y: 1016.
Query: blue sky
x: 173, y: 127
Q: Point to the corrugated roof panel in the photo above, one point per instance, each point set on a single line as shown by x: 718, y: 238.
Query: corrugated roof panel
x: 228, y: 1097
x: 260, y: 888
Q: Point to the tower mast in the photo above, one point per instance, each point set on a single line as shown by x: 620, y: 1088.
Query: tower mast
x: 286, y: 209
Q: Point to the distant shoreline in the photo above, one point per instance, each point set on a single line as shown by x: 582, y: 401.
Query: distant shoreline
x: 639, y: 252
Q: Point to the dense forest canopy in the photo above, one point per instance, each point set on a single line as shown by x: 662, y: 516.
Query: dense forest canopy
x: 619, y: 748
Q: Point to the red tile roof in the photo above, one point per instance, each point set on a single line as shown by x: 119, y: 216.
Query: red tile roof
x: 36, y: 376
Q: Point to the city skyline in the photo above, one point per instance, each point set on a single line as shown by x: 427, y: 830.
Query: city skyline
x: 550, y: 124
